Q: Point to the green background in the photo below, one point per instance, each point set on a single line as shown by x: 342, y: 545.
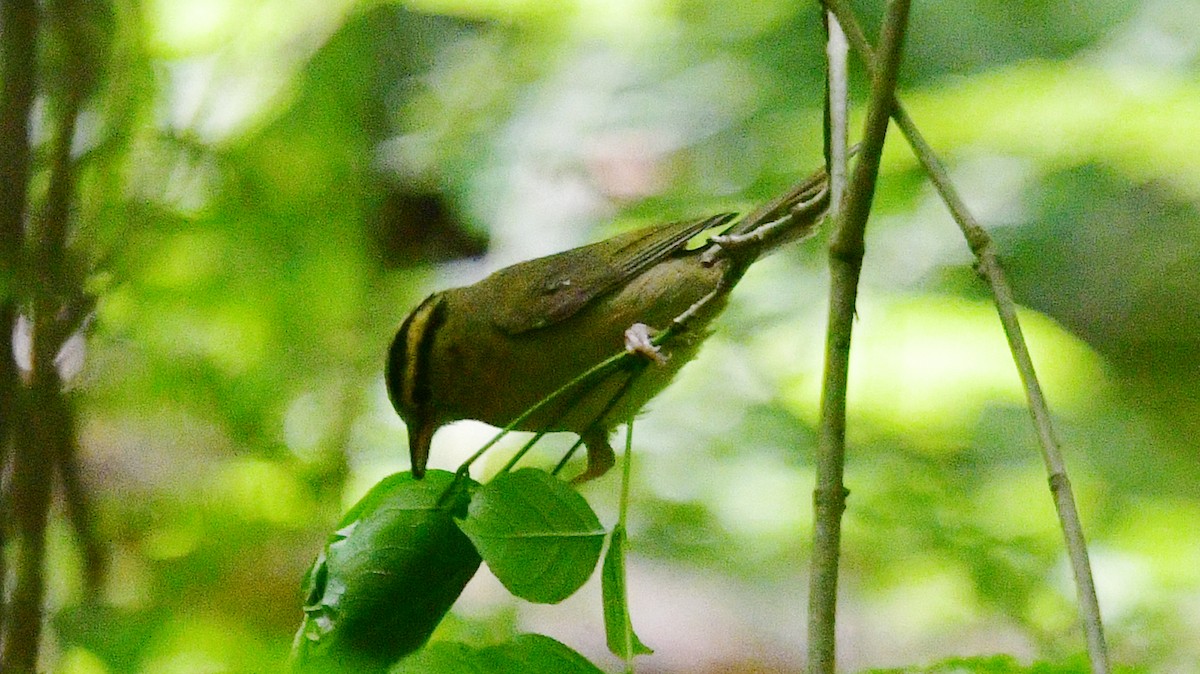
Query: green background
x: 266, y: 188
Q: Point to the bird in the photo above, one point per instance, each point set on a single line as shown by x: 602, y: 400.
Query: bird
x: 492, y: 350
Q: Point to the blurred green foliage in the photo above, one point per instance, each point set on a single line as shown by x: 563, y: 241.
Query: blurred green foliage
x: 266, y: 188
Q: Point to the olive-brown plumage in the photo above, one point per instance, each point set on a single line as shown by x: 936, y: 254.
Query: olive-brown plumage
x: 492, y: 350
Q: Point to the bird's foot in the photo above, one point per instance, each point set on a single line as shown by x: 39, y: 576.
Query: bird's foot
x: 600, y: 458
x: 638, y: 341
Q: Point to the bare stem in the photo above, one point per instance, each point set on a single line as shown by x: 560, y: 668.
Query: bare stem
x: 837, y: 95
x: 18, y: 63
x: 845, y: 260
x: 43, y: 442
x: 989, y: 268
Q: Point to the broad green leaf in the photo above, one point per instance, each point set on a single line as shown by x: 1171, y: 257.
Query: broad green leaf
x: 441, y: 657
x: 537, y: 535
x: 537, y: 653
x: 526, y: 653
x: 386, y: 577
x: 622, y: 640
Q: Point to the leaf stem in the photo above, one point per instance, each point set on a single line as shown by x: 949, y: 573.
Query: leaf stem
x: 597, y: 371
x: 622, y: 509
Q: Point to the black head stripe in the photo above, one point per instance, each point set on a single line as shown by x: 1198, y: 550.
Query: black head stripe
x: 407, y: 371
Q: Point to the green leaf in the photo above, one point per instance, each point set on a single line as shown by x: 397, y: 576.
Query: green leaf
x: 526, y: 653
x: 622, y: 641
x: 537, y: 535
x: 441, y: 657
x: 537, y: 653
x: 387, y: 576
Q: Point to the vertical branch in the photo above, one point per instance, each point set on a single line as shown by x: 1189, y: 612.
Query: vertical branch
x: 43, y: 441
x: 31, y: 482
x: 990, y: 269
x: 845, y: 259
x: 18, y: 36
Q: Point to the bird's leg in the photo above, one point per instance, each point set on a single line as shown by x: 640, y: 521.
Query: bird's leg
x: 600, y: 456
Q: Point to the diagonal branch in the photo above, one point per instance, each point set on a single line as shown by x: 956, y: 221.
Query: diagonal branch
x: 845, y: 261
x: 989, y: 268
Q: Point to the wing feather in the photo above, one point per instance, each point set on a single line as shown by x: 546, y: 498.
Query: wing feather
x: 558, y: 286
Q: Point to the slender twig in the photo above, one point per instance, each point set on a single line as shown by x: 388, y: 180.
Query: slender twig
x: 845, y: 259
x: 38, y: 440
x: 990, y: 269
x: 593, y: 426
x: 43, y: 441
x: 18, y: 65
x: 599, y: 371
x: 837, y: 95
x: 622, y: 510
x: 595, y: 373
x: 9, y: 385
x: 562, y: 463
x: 523, y: 451
x: 30, y: 505
x: 635, y: 371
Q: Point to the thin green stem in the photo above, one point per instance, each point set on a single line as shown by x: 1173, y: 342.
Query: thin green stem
x: 622, y: 509
x: 837, y: 97
x: 597, y: 371
x: 626, y: 472
x: 523, y: 451
x: 562, y: 463
x: 990, y: 269
x: 845, y: 258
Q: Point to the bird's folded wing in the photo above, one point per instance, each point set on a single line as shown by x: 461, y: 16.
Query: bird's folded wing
x: 556, y: 287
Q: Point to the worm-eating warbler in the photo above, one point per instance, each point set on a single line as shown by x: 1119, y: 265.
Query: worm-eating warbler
x: 492, y: 350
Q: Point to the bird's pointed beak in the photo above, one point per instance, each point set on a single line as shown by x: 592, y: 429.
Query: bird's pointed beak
x: 420, y: 436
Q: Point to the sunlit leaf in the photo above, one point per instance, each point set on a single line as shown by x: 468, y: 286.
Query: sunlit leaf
x: 622, y: 640
x: 538, y: 535
x: 525, y: 653
x: 387, y: 576
x: 443, y: 657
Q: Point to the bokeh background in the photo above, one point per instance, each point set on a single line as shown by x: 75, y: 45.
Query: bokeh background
x: 266, y: 188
